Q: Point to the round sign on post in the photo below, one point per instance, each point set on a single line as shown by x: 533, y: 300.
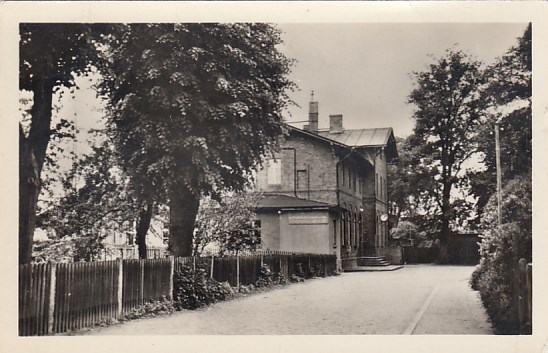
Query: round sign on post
x: 384, y: 217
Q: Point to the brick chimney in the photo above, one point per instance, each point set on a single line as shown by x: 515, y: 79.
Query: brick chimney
x: 312, y: 115
x: 336, y: 124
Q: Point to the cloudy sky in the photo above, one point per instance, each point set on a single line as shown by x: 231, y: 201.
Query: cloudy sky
x: 359, y: 70
x: 362, y: 71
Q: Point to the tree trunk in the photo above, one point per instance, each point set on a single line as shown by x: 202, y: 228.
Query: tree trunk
x: 32, y: 154
x: 29, y: 185
x: 145, y: 217
x: 183, y: 208
x: 444, y: 234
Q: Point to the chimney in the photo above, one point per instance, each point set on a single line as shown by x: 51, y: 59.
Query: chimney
x: 335, y: 124
x: 312, y: 115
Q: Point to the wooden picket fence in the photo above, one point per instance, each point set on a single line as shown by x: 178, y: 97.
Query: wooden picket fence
x: 56, y: 298
x: 246, y: 269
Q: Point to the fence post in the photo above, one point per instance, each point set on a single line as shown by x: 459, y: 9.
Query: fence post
x: 238, y: 271
x: 120, y: 287
x: 529, y: 276
x: 211, y: 268
x: 141, y: 282
x: 523, y: 297
x: 171, y: 274
x: 51, y: 307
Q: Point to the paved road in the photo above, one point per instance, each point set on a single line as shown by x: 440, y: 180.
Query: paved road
x: 418, y: 299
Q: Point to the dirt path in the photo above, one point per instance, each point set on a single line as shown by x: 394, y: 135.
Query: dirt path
x: 419, y: 299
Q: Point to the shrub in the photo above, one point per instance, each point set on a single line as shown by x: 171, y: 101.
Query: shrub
x: 500, y: 250
x: 494, y: 277
x: 312, y: 272
x: 299, y: 270
x: 294, y: 278
x: 193, y: 289
x: 279, y: 278
x: 265, y: 277
x: 150, y: 309
x: 404, y: 230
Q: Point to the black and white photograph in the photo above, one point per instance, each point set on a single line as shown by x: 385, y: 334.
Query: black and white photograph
x: 278, y: 178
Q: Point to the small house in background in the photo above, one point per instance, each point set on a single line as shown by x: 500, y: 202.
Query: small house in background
x: 325, y: 191
x: 124, y: 244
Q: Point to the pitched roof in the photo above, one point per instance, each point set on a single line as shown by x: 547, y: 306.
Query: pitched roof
x: 284, y: 201
x: 360, y: 137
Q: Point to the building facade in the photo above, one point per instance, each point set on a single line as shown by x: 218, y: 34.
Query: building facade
x: 326, y: 190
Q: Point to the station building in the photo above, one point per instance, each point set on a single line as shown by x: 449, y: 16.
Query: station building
x: 325, y: 191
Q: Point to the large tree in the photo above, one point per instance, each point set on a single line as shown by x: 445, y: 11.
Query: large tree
x: 508, y: 95
x: 194, y: 108
x: 50, y: 57
x: 447, y: 117
x: 411, y: 191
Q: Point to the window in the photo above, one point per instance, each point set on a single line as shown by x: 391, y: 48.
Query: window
x: 360, y: 227
x: 343, y: 228
x: 343, y: 175
x: 274, y: 172
x: 348, y: 227
x: 334, y: 233
x: 351, y: 221
x: 377, y: 227
x: 256, y: 226
x: 381, y: 189
x: 349, y: 179
x: 302, y: 179
x: 376, y: 184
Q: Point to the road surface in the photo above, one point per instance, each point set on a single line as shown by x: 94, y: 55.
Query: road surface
x: 418, y: 299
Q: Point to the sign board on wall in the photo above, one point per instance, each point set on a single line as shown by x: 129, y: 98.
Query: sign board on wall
x: 308, y: 219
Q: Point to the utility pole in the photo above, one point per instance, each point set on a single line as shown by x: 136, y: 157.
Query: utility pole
x: 499, y: 173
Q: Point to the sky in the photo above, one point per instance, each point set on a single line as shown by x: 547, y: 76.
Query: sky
x: 364, y: 71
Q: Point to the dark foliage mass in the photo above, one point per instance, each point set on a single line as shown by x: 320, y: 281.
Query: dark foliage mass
x: 193, y: 288
x: 447, y: 117
x: 194, y: 108
x: 50, y: 57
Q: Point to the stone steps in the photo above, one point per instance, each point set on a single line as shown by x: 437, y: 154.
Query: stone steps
x: 371, y: 261
x: 374, y: 268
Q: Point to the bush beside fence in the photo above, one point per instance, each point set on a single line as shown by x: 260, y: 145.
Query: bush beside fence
x: 57, y: 298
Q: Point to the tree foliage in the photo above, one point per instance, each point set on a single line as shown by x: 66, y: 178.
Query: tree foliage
x: 501, y: 248
x: 448, y: 114
x: 227, y: 224
x: 508, y: 94
x: 96, y: 203
x: 50, y: 56
x: 411, y: 191
x: 194, y: 108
